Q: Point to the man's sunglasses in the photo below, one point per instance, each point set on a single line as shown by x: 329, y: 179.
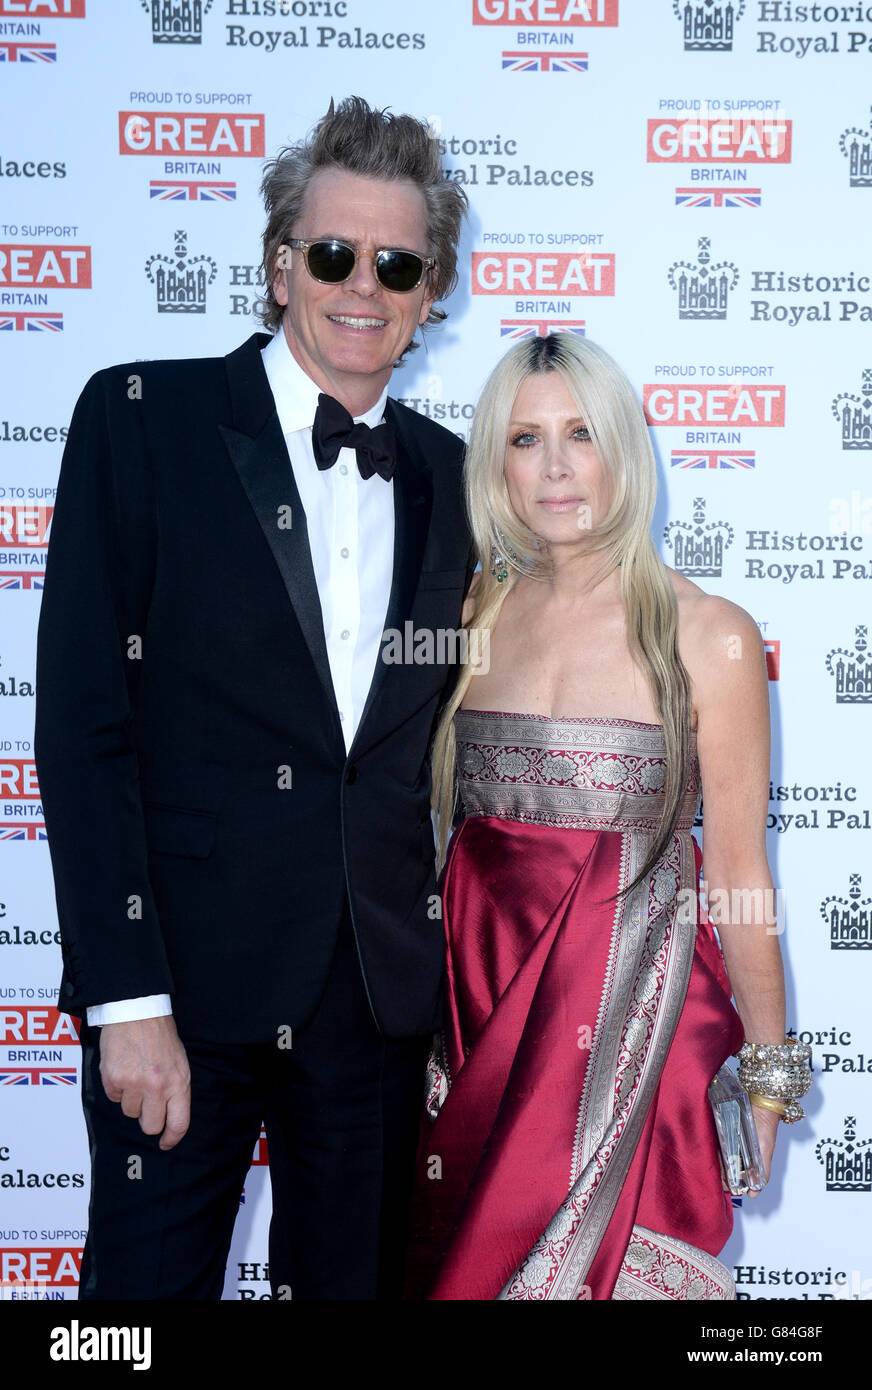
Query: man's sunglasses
x: 332, y: 262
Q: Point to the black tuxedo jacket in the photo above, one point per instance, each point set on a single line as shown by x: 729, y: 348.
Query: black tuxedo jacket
x: 203, y: 818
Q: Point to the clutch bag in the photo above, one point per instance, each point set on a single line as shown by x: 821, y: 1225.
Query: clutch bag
x: 737, y: 1134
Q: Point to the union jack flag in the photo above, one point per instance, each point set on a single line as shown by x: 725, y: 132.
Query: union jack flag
x: 22, y: 579
x: 23, y: 832
x: 28, y: 52
x: 535, y: 60
x: 29, y: 321
x: 712, y: 458
x: 185, y: 191
x: 38, y: 1076
x: 721, y: 196
x: 539, y: 328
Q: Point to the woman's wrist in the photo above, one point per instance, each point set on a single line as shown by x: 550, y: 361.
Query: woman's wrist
x: 776, y: 1075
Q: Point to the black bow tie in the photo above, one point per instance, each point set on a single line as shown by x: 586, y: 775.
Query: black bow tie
x: 334, y: 429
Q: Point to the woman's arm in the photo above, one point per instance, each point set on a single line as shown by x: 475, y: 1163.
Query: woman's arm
x: 724, y: 654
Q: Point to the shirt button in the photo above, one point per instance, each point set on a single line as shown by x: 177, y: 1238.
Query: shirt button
x: 344, y: 634
x: 341, y: 717
x: 344, y: 552
x: 343, y: 468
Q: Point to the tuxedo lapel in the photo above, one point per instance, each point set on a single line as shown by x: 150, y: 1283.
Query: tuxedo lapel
x: 260, y: 456
x: 257, y: 448
x: 413, y: 504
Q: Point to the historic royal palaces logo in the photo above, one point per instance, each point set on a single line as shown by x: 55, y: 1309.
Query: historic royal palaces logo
x: 703, y: 288
x: 180, y: 280
x: 847, y: 1161
x: 176, y: 21
x: 854, y: 414
x: 698, y: 546
x: 856, y: 146
x: 709, y: 25
x: 852, y: 670
x: 849, y: 919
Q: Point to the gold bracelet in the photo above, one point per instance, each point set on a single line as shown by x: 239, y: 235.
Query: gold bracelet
x: 767, y: 1102
x: 789, y: 1110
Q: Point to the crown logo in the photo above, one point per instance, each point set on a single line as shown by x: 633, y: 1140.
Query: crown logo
x: 181, y: 283
x: 856, y: 146
x: 698, y: 546
x: 176, y: 21
x: 855, y: 415
x: 848, y: 1163
x: 708, y: 25
x: 849, y: 919
x: 853, y: 670
x: 703, y: 288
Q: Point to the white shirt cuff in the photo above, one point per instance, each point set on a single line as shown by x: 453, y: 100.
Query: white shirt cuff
x: 129, y: 1010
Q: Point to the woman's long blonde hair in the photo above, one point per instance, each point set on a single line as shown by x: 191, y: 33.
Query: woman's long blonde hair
x: 612, y: 413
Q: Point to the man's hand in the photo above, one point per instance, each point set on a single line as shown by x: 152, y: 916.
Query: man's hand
x: 144, y: 1067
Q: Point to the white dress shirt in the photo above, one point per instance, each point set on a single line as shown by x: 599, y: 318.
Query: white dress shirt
x: 350, y: 523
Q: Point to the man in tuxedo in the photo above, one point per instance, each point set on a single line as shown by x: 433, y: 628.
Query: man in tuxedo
x: 235, y: 783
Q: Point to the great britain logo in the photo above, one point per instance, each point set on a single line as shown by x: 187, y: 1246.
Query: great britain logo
x: 37, y: 1039
x: 21, y: 815
x: 553, y: 13
x: 533, y: 60
x: 43, y: 9
x: 720, y: 146
x: 547, y: 32
x: 24, y: 42
x: 24, y: 536
x: 540, y: 328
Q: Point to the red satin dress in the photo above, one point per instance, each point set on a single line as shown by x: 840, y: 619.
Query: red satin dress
x: 569, y: 1149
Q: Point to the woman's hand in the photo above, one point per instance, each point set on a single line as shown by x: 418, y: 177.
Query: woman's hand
x: 767, y: 1122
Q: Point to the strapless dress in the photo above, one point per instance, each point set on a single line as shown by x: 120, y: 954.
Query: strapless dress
x: 569, y: 1150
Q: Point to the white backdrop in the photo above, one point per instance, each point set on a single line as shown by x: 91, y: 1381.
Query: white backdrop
x: 687, y: 184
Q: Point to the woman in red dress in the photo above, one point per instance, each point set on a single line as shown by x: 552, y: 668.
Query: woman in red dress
x: 570, y: 1150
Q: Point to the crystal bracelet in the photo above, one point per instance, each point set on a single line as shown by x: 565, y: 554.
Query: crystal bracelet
x: 775, y: 1075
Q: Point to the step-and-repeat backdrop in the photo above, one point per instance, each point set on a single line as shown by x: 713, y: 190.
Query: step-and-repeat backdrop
x: 689, y: 184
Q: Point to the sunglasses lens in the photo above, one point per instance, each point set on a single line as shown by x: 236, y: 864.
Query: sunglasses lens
x: 330, y: 261
x: 399, y: 270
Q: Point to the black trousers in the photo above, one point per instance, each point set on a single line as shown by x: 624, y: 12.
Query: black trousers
x: 341, y: 1107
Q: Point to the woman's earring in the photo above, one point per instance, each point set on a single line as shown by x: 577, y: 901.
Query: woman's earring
x: 499, y: 563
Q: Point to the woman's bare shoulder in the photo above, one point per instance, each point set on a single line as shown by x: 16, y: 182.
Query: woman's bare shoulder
x: 712, y: 628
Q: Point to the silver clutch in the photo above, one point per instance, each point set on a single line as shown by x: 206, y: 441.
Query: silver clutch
x: 737, y: 1134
